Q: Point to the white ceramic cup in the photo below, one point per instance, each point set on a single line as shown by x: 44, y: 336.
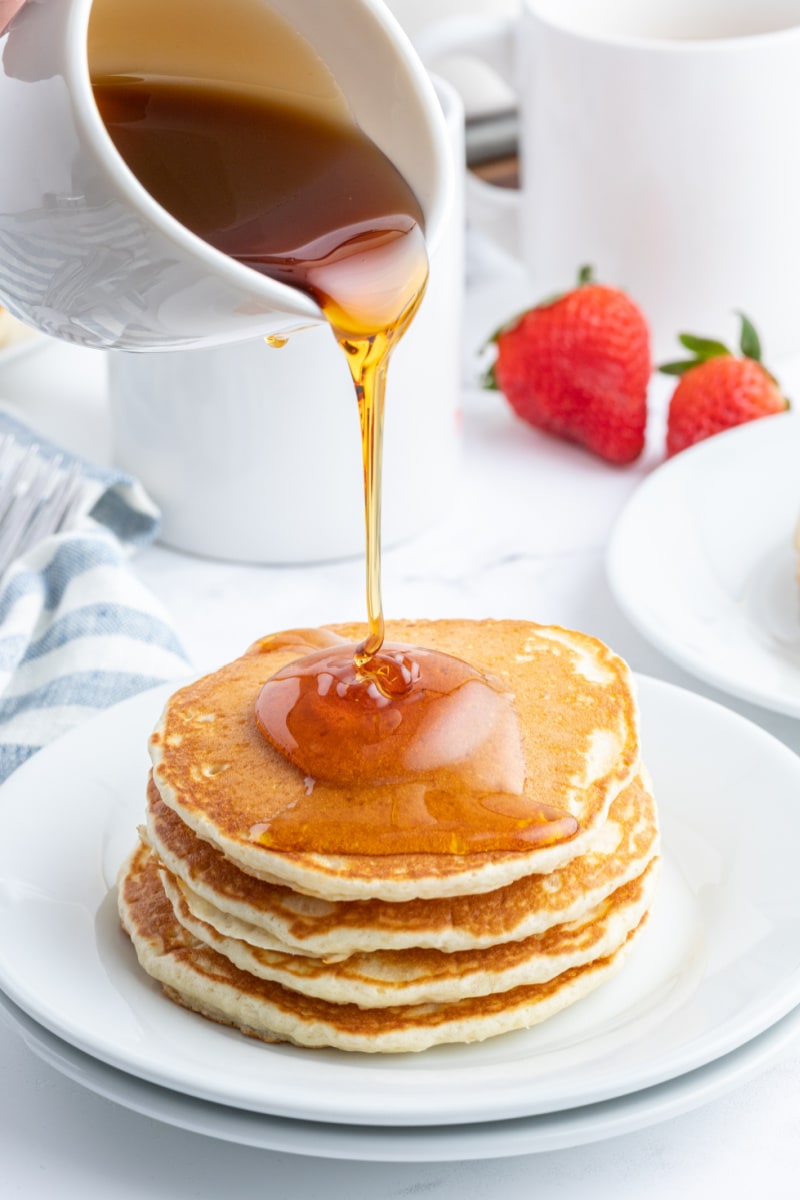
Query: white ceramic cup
x: 658, y: 143
x: 86, y: 254
x: 253, y: 453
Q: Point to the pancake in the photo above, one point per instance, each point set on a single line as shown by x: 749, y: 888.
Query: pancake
x: 200, y: 978
x: 578, y: 723
x: 272, y: 917
x: 255, y: 898
x: 390, y: 977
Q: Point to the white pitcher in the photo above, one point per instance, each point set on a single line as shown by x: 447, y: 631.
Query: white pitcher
x: 86, y: 254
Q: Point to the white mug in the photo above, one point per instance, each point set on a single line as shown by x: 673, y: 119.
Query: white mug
x: 86, y: 254
x: 253, y: 453
x: 659, y: 144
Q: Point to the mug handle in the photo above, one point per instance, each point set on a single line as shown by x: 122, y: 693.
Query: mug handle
x: 494, y: 211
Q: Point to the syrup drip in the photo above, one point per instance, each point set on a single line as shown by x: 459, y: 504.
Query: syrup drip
x: 369, y: 280
x: 438, y: 769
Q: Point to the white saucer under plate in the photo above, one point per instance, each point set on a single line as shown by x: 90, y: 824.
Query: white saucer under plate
x: 702, y: 563
x: 718, y: 964
x: 434, y: 1143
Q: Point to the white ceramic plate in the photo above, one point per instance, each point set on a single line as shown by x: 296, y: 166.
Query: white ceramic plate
x: 434, y: 1143
x: 701, y: 561
x: 718, y: 964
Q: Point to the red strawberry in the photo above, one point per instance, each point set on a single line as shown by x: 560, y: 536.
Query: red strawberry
x: 578, y: 366
x: 717, y: 390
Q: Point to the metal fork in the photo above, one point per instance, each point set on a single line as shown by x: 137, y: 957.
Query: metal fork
x: 37, y: 497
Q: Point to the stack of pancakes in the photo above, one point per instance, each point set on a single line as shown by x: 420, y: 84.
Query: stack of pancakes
x: 393, y: 952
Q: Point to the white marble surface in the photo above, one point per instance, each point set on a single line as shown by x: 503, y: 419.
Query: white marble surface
x: 524, y: 536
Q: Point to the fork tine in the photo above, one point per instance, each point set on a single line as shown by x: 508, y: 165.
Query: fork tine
x: 16, y: 519
x: 37, y: 498
x: 52, y: 508
x: 13, y: 466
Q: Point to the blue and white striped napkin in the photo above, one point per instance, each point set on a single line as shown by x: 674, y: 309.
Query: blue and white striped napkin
x: 78, y: 630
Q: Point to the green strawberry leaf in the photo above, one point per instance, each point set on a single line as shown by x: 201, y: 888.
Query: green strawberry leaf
x: 703, y: 347
x: 749, y: 341
x: 489, y: 380
x: 585, y: 275
x: 708, y: 348
x: 678, y: 368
